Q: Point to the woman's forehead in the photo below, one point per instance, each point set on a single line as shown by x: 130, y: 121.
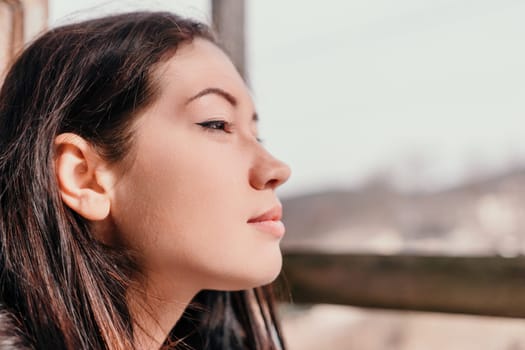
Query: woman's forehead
x: 198, y: 65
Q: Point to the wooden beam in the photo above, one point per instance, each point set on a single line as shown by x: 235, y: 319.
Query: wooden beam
x: 20, y: 22
x: 6, y: 26
x: 36, y: 13
x: 17, y: 25
x: 229, y: 23
x: 12, y: 32
x: 491, y: 286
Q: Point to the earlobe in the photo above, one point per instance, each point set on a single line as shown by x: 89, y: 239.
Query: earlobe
x: 80, y: 182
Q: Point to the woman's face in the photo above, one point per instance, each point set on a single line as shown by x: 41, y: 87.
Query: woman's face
x: 193, y: 200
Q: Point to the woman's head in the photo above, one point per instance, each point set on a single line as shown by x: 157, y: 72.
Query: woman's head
x: 129, y: 156
x: 198, y: 176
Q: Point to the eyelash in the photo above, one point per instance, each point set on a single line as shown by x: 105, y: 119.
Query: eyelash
x: 217, y: 125
x: 220, y: 125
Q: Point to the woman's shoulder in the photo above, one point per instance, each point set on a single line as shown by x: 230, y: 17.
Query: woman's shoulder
x: 11, y: 336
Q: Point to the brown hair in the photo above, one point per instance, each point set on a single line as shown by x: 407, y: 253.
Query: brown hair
x: 64, y: 289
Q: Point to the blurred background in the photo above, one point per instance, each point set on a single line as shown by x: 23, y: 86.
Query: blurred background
x: 403, y: 123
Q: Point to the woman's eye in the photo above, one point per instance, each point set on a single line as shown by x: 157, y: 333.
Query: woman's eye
x: 216, y: 125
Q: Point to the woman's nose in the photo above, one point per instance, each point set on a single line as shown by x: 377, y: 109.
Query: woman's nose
x: 268, y: 172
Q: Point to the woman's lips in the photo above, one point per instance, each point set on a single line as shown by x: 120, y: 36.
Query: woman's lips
x: 270, y: 222
x: 274, y: 227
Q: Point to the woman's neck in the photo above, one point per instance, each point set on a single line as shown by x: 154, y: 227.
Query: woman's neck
x: 155, y: 311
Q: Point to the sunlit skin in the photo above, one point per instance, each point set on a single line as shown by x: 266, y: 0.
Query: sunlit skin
x: 186, y: 199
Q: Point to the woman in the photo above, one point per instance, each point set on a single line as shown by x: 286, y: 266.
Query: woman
x: 137, y: 206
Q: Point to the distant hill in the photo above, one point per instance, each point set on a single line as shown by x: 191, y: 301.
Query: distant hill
x: 486, y: 216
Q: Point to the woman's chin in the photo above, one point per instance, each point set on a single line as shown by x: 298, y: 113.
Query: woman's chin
x: 253, y: 277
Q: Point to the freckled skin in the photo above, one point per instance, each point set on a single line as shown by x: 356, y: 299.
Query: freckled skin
x: 184, y: 202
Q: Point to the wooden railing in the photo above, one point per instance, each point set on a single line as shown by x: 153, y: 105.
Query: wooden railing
x: 491, y: 286
x: 20, y: 21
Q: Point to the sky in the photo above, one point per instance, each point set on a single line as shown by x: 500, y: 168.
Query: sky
x: 422, y: 93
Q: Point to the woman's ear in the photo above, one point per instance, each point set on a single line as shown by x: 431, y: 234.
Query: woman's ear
x: 84, y: 180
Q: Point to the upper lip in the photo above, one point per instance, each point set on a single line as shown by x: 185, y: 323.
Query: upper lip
x: 274, y: 214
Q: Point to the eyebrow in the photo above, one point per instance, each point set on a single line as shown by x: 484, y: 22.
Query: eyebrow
x: 219, y: 92
x: 216, y: 91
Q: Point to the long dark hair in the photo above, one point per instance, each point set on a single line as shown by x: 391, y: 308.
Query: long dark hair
x: 60, y: 287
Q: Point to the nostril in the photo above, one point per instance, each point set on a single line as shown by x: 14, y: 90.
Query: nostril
x: 273, y: 183
x: 280, y: 176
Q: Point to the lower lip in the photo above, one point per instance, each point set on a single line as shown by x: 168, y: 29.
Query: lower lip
x: 276, y: 228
